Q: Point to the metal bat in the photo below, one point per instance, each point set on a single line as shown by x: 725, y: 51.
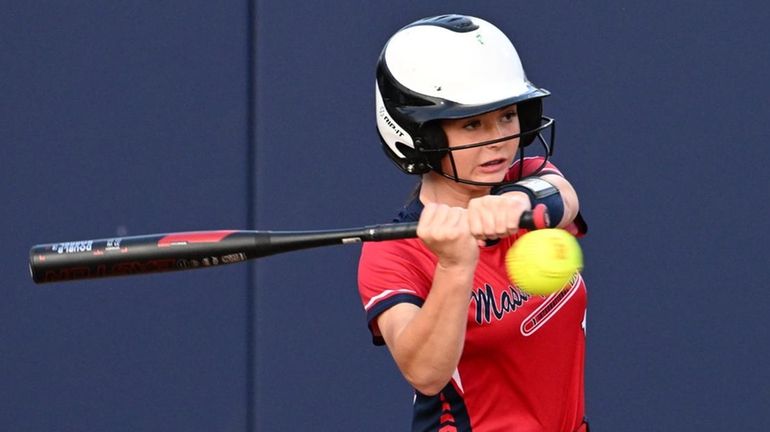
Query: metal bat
x: 155, y: 253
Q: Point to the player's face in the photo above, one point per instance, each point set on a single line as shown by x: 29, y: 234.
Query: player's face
x: 488, y: 163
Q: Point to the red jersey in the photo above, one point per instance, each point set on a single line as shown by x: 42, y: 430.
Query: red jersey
x: 522, y: 363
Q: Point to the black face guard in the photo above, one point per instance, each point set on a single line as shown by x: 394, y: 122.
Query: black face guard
x: 545, y: 123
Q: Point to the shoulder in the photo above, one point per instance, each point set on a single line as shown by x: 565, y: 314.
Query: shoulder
x: 393, y: 254
x: 393, y: 266
x: 391, y: 273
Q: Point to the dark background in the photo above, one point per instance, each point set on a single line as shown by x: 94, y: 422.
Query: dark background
x: 128, y: 118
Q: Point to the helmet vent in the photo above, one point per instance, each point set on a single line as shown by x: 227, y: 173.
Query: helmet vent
x: 456, y: 23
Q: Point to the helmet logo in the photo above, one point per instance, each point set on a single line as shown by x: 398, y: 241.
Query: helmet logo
x: 479, y: 39
x: 383, y: 113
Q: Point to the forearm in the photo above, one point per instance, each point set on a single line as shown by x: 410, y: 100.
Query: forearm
x: 428, y: 347
x: 552, y: 190
x: 568, y: 196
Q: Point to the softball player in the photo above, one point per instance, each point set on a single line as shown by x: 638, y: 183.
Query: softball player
x: 454, y: 106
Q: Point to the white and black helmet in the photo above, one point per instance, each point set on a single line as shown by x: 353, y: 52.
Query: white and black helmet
x: 449, y: 67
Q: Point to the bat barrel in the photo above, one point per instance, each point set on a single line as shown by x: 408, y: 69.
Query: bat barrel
x: 134, y: 255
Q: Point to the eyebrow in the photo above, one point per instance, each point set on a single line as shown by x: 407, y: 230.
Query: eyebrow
x: 463, y: 120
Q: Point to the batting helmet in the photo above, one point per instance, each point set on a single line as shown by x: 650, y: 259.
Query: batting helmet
x: 449, y: 67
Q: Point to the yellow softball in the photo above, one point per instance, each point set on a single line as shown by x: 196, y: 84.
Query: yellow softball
x: 542, y: 262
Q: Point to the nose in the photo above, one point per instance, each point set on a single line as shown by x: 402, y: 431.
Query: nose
x: 498, y: 131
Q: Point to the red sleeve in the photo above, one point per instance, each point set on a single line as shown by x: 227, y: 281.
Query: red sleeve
x: 529, y: 166
x: 393, y: 272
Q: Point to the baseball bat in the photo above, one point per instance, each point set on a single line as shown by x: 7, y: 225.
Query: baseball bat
x: 85, y: 259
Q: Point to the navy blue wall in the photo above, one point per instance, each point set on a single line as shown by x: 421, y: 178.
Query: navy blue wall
x: 122, y: 118
x: 131, y: 119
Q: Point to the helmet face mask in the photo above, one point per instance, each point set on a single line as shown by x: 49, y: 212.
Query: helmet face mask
x: 527, y: 137
x: 450, y: 67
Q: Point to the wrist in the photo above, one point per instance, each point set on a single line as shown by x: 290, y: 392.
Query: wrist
x: 538, y: 191
x: 457, y: 267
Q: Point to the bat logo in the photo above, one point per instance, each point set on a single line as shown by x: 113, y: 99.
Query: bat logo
x: 72, y: 247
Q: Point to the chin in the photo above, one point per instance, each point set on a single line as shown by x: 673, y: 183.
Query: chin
x: 493, y: 179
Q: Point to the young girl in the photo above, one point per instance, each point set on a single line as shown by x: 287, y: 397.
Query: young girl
x: 455, y: 107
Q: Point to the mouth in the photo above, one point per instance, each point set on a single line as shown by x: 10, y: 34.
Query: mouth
x: 494, y: 166
x: 494, y: 163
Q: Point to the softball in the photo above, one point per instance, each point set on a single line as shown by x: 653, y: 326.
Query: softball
x: 542, y: 262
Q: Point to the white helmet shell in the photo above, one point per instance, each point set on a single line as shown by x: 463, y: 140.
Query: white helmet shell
x: 473, y: 68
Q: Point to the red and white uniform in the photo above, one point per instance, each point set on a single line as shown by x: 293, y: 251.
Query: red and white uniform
x: 522, y: 364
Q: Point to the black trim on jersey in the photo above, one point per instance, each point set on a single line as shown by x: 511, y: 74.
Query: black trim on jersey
x: 430, y: 415
x: 410, y: 212
x: 386, y: 304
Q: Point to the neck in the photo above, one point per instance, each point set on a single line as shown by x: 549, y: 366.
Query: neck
x: 439, y: 189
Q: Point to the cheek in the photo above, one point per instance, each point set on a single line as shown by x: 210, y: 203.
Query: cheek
x: 452, y: 137
x: 446, y: 162
x: 511, y: 128
x: 462, y: 159
x: 455, y: 138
